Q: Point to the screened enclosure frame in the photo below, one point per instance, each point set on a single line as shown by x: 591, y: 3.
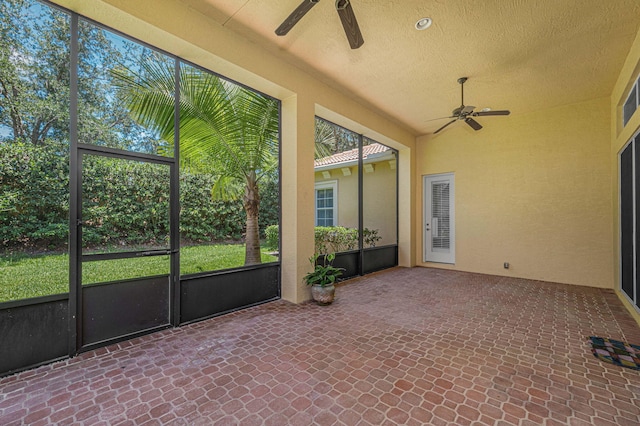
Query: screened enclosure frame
x: 362, y: 260
x: 629, y: 221
x: 46, y: 342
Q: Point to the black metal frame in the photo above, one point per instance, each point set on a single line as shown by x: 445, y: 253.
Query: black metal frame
x: 210, y: 294
x: 363, y: 260
x: 34, y: 332
x: 49, y: 337
x: 129, y: 304
x: 19, y: 352
x: 74, y: 185
x: 124, y: 309
x: 629, y: 220
x: 174, y: 238
x: 360, y: 206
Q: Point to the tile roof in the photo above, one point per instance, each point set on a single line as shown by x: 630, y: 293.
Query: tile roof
x: 351, y: 155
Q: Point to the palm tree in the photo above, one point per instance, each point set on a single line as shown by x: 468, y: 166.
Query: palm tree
x: 224, y: 128
x: 325, y: 138
x: 331, y: 139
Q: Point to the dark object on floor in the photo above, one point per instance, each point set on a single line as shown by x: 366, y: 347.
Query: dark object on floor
x: 616, y: 352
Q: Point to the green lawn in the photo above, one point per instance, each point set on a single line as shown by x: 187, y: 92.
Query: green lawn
x: 22, y: 277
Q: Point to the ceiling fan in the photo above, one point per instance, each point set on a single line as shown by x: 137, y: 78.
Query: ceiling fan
x: 465, y: 112
x: 345, y: 11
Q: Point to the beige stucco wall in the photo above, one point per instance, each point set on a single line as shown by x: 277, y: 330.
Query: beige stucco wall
x: 378, y: 202
x: 619, y: 138
x: 538, y: 190
x: 178, y: 29
x: 378, y: 199
x: 532, y: 190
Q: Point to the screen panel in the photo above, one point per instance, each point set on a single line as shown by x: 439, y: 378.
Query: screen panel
x: 34, y: 150
x: 626, y: 220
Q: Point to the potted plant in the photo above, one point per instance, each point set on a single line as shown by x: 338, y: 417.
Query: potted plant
x: 323, y: 278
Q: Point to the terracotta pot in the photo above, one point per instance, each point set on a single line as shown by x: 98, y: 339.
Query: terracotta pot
x: 323, y: 295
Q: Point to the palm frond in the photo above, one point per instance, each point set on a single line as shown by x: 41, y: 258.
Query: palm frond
x: 224, y: 128
x: 325, y: 139
x: 227, y: 188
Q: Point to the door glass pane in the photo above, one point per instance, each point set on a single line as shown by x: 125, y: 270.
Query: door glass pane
x: 379, y: 195
x: 125, y: 205
x: 229, y: 177
x: 125, y: 93
x: 336, y: 179
x: 440, y: 221
x: 34, y: 150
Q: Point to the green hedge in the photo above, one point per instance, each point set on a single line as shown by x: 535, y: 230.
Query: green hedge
x: 329, y: 239
x: 34, y: 196
x: 205, y: 219
x: 34, y: 202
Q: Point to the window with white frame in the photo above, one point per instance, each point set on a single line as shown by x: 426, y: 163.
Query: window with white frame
x: 326, y: 203
x: 631, y: 104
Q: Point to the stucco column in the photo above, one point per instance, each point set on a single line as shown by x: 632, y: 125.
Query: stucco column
x: 407, y: 242
x: 298, y: 127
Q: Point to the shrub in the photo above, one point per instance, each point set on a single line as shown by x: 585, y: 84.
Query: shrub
x: 370, y: 237
x: 272, y: 237
x: 269, y: 204
x: 123, y: 201
x: 34, y: 189
x: 330, y: 239
x: 203, y: 218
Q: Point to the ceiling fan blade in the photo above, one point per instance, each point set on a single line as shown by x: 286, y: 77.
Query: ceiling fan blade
x: 349, y: 23
x: 467, y: 110
x: 439, y: 118
x: 483, y: 113
x: 442, y: 128
x: 473, y: 123
x: 295, y: 16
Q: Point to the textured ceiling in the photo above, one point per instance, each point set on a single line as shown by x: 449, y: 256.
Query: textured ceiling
x: 522, y: 55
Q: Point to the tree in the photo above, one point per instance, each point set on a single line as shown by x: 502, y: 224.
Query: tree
x: 34, y: 71
x: 325, y: 138
x: 35, y: 79
x: 224, y: 128
x: 103, y: 118
x: 331, y: 139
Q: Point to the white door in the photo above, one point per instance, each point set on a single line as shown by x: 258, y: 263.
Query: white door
x: 439, y: 219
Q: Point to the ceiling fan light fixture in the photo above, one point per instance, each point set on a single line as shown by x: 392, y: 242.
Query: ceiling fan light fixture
x: 423, y: 23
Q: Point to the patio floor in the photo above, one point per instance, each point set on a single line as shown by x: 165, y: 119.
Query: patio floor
x: 404, y: 346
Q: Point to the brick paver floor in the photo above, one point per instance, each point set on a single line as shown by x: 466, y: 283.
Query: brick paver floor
x: 404, y: 346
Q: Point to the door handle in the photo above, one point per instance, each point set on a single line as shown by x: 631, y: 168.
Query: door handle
x: 154, y: 253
